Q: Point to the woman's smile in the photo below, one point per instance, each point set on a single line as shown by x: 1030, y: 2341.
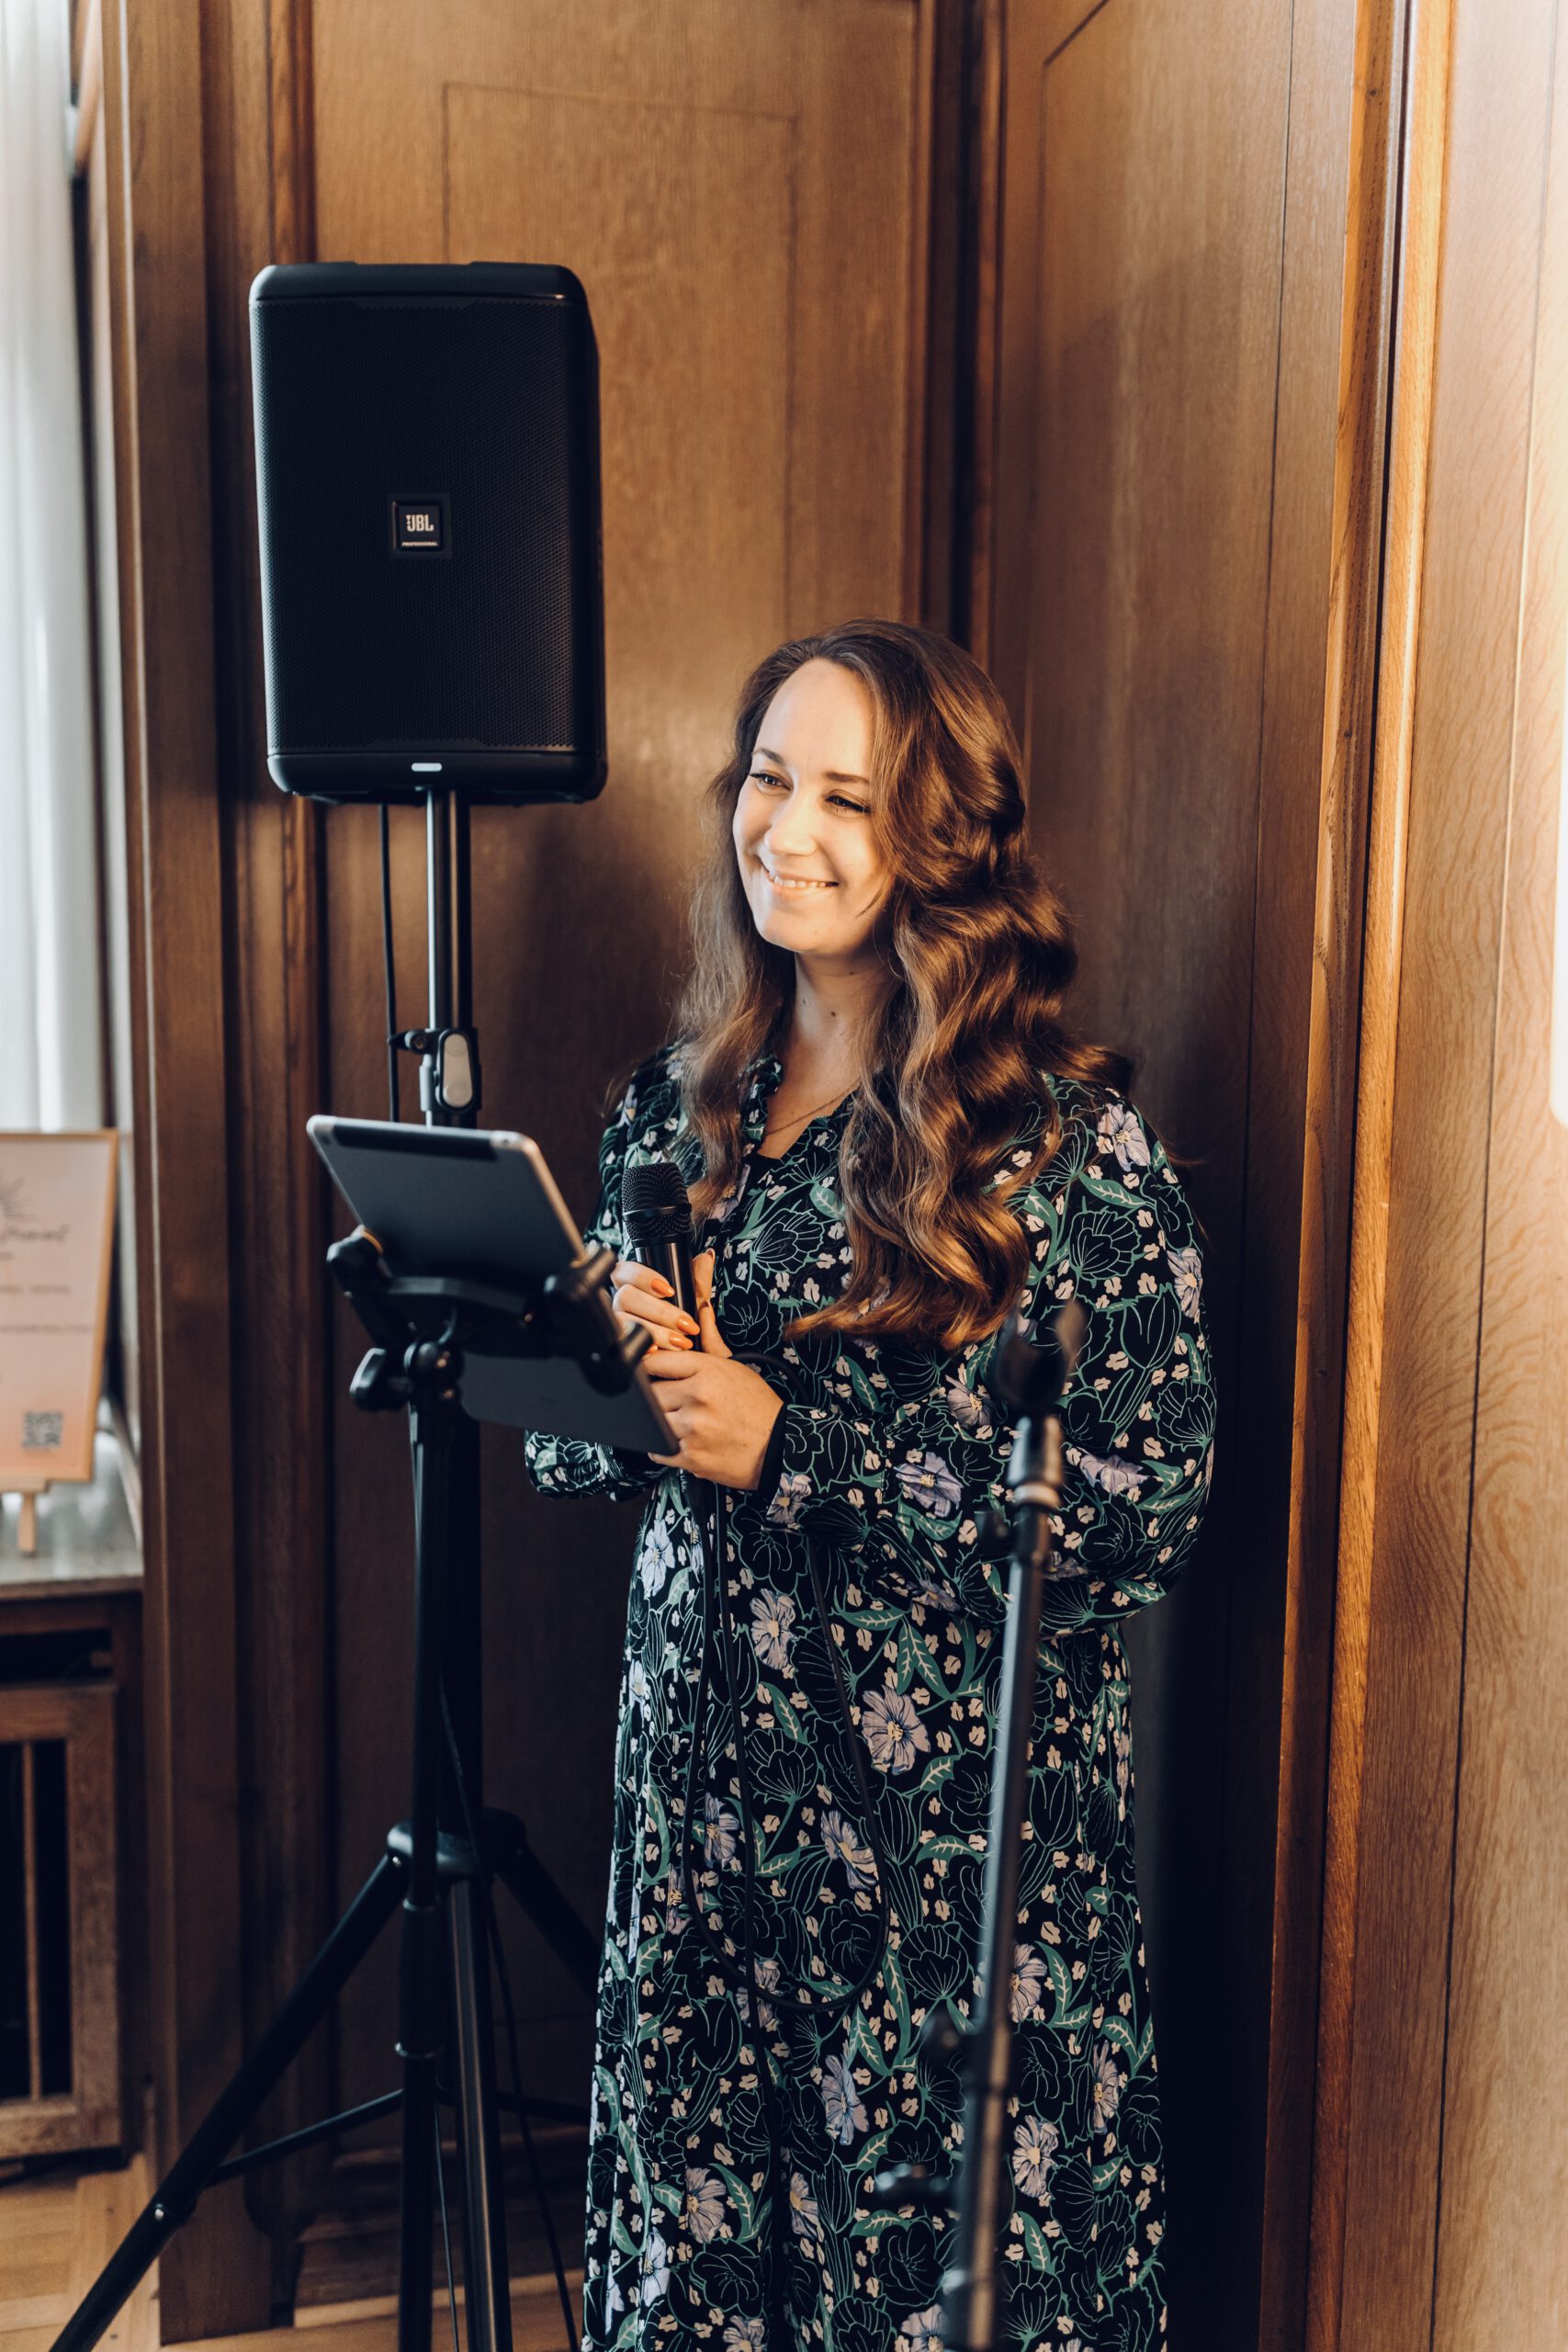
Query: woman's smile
x: 791, y: 882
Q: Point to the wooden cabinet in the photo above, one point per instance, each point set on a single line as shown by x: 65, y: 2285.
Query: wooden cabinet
x: 65, y: 1659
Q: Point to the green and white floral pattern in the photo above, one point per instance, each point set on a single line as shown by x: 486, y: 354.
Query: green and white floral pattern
x: 724, y: 2158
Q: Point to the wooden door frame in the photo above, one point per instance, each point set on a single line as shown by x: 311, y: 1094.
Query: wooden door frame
x: 1404, y: 56
x: 215, y: 2272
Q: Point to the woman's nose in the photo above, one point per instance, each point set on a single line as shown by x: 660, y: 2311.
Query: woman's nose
x: 791, y: 834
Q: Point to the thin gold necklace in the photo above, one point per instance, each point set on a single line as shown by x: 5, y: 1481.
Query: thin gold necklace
x: 802, y: 1117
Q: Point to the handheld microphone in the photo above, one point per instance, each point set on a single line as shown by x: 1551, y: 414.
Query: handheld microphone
x: 658, y: 1219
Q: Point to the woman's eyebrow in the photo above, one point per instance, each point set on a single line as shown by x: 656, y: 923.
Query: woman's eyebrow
x: 830, y: 775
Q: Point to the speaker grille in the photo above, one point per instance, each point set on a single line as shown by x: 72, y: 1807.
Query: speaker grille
x: 487, y: 404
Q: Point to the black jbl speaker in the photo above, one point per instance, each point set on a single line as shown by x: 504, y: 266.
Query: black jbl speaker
x: 427, y: 480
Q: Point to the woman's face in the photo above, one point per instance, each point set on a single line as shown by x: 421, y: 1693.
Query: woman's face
x: 814, y: 877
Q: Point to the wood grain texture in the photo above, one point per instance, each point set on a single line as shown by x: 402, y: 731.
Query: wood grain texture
x: 153, y: 109
x: 943, y: 299
x: 1340, y: 235
x: 55, y: 2236
x: 1449, y: 1930
x: 981, y: 330
x: 108, y: 1610
x: 1436, y: 1180
x: 260, y: 207
x: 1170, y: 562
x: 88, y: 78
x: 1426, y: 45
x: 1502, y: 2266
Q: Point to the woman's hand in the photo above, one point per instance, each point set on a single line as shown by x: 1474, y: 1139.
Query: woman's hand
x: 722, y: 1412
x: 643, y: 1296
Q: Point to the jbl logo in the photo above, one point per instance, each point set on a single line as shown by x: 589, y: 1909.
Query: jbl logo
x: 419, y: 526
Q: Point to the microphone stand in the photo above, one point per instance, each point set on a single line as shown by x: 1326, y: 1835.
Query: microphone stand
x: 1030, y: 1377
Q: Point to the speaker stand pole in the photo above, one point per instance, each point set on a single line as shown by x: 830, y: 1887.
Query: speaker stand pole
x: 449, y: 1095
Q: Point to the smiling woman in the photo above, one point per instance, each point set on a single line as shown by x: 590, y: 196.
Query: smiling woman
x: 815, y: 877
x: 892, y: 1139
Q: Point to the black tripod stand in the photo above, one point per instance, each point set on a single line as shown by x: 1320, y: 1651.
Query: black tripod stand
x: 438, y: 1866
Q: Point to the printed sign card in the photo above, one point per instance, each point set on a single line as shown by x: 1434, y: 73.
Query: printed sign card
x: 56, y: 1228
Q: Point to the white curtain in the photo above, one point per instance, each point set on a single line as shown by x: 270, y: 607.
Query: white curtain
x: 50, y: 1051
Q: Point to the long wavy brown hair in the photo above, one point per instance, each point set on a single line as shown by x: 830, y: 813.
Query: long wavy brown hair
x: 981, y: 955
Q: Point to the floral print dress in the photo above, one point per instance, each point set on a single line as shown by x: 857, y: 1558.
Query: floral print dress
x: 731, y: 2161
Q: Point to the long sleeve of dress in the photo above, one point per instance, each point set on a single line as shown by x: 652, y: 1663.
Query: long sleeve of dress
x: 901, y: 1454
x: 569, y: 1466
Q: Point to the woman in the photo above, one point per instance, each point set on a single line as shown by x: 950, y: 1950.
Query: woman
x: 892, y: 1140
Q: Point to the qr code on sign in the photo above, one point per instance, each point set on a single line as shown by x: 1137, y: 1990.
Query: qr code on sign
x: 42, y: 1432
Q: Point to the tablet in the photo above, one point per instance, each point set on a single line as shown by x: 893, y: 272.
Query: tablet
x: 481, y: 1205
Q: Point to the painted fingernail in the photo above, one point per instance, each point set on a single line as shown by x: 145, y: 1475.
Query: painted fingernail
x: 689, y: 1323
x: 662, y: 1287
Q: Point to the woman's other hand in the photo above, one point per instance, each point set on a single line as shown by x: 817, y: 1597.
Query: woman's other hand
x: 643, y: 1296
x: 722, y: 1412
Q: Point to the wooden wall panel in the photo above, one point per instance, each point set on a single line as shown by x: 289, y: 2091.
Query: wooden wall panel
x: 259, y: 206
x: 665, y: 209
x: 744, y: 195
x: 1502, y: 2267
x: 215, y: 2276
x: 1456, y: 2153
x: 1183, y: 562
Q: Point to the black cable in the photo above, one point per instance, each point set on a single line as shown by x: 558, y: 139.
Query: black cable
x: 496, y: 1947
x: 446, y: 2233
x: 386, y: 960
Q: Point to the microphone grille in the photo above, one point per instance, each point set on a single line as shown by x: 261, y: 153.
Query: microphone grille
x: 654, y: 1205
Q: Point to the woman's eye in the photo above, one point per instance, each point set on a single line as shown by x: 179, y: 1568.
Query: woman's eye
x: 766, y: 777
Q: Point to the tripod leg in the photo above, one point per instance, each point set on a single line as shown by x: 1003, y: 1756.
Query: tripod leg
x: 420, y: 2004
x: 521, y: 1870
x: 174, y: 2200
x: 485, y: 2268
x: 418, y: 2049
